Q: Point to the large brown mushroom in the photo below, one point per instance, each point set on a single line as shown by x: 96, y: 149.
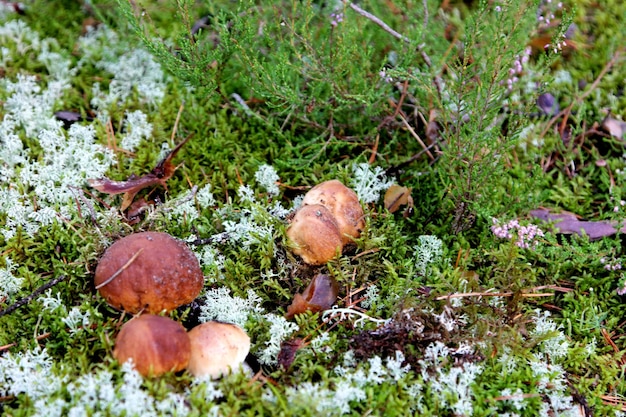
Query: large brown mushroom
x: 343, y: 204
x: 314, y: 235
x: 216, y: 349
x: 148, y: 271
x: 155, y: 344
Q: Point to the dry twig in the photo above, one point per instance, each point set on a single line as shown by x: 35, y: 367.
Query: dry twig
x: 35, y: 293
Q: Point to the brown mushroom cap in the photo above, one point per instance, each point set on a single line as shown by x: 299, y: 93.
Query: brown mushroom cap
x: 155, y: 344
x: 217, y: 348
x: 148, y: 270
x: 344, y: 205
x: 314, y: 234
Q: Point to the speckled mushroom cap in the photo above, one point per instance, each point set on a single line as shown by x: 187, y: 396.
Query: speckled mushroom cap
x: 343, y: 204
x: 313, y: 235
x: 148, y: 271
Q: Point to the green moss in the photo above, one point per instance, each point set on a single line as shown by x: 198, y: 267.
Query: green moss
x: 316, y: 105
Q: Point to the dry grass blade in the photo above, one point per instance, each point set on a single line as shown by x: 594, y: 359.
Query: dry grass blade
x: 614, y: 401
x: 119, y: 271
x: 529, y: 294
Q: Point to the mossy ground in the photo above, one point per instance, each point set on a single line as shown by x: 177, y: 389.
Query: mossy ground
x: 454, y: 320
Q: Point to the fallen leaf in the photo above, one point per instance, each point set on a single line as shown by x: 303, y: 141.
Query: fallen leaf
x: 137, y: 208
x: 543, y: 43
x: 201, y: 24
x: 158, y: 176
x: 319, y: 295
x: 615, y: 127
x: 397, y: 196
x: 70, y: 117
x: 569, y: 223
x: 548, y: 105
x: 18, y: 7
x: 288, y: 350
x: 90, y: 23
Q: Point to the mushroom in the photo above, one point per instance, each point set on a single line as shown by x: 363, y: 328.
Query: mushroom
x: 155, y: 344
x: 314, y: 234
x: 344, y: 205
x: 216, y: 349
x: 148, y: 271
x: 319, y: 295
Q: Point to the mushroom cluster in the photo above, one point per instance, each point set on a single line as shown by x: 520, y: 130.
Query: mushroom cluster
x: 148, y: 273
x: 158, y: 344
x: 330, y: 217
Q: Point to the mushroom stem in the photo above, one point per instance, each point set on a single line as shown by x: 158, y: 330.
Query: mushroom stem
x: 119, y: 271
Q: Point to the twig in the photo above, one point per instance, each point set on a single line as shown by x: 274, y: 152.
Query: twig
x: 388, y: 29
x: 592, y: 87
x: 492, y: 294
x: 396, y: 168
x: 614, y: 401
x: 243, y: 104
x: 119, y: 271
x: 180, y: 112
x: 416, y: 136
x: 372, y: 158
x: 376, y: 20
x: 80, y: 195
x: 6, y: 347
x: 10, y: 345
x: 405, y: 88
x: 567, y: 111
x: 35, y: 293
x: 607, y: 339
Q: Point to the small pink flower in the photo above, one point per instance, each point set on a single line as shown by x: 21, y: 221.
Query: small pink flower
x: 525, y: 236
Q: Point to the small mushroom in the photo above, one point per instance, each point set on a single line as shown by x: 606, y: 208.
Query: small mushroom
x: 149, y: 272
x: 155, y: 344
x: 314, y: 234
x: 319, y: 295
x: 216, y: 349
x: 344, y: 205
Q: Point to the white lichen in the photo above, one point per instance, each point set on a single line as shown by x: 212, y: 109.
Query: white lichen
x: 368, y: 183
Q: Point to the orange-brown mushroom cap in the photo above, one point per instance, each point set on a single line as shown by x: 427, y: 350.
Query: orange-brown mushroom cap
x: 314, y: 235
x: 343, y: 204
x: 148, y: 271
x: 155, y: 344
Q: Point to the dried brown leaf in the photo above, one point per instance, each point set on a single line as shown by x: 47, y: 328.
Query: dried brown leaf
x: 319, y: 295
x: 568, y: 223
x: 132, y: 185
x: 397, y: 196
x: 615, y: 127
x: 158, y: 176
x: 288, y: 350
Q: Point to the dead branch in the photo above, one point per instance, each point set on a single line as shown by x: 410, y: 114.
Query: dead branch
x: 35, y: 293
